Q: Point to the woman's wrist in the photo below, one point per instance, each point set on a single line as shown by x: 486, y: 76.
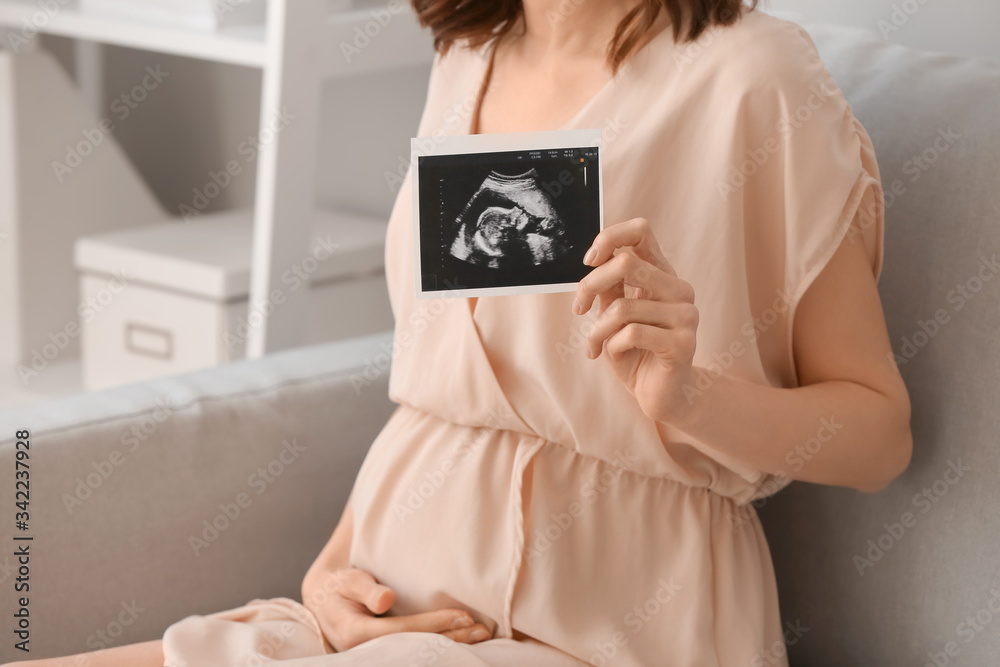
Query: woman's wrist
x: 320, y: 584
x: 689, y: 409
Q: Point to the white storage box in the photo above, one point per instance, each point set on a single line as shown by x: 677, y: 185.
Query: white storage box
x: 62, y: 175
x: 172, y: 298
x: 209, y: 14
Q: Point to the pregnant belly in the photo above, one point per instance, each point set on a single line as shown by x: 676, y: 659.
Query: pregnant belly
x: 436, y: 508
x: 577, y: 552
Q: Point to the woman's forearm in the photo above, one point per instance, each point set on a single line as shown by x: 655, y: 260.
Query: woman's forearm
x: 837, y: 432
x: 336, y: 554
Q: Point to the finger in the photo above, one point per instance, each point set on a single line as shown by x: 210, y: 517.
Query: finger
x: 357, y: 627
x: 625, y: 311
x: 652, y: 282
x: 609, y: 296
x: 360, y: 586
x: 636, y: 233
x: 439, y: 621
x: 470, y: 635
x: 673, y: 345
x: 609, y: 279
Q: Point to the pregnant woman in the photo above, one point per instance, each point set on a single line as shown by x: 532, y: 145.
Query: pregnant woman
x: 568, y: 478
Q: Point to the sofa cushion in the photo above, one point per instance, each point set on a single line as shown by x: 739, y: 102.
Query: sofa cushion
x: 909, y: 576
x: 190, y: 494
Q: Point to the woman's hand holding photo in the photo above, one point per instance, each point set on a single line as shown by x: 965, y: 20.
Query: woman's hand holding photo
x: 650, y: 336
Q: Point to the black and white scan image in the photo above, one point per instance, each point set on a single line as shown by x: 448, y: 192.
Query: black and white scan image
x: 506, y: 221
x: 510, y: 220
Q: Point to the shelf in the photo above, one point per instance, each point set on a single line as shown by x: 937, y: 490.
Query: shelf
x: 399, y: 43
x: 237, y: 45
x: 295, y: 54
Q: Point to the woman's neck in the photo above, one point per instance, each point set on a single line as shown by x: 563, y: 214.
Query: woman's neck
x: 572, y: 28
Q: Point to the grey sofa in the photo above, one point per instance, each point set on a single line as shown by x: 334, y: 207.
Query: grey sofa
x: 135, y: 491
x: 125, y: 544
x: 911, y: 606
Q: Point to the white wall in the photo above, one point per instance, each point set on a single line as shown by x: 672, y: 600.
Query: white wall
x: 953, y: 26
x: 194, y: 122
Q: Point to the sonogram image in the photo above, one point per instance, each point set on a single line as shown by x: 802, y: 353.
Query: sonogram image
x: 491, y: 222
x: 510, y: 220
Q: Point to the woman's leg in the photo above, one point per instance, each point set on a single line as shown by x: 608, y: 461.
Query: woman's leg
x: 146, y: 654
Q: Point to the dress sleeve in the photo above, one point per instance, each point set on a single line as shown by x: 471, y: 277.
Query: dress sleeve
x: 810, y: 181
x: 819, y: 185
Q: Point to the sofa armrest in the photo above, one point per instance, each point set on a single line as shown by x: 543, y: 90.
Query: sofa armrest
x: 185, y: 495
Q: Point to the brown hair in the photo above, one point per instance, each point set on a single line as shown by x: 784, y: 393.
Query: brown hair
x: 480, y: 21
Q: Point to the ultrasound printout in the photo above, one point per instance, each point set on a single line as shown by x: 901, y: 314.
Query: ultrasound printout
x: 491, y: 222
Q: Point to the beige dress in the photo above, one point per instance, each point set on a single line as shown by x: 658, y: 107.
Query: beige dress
x: 519, y: 479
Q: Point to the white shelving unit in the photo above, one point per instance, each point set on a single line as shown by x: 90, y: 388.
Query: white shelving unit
x: 297, y: 50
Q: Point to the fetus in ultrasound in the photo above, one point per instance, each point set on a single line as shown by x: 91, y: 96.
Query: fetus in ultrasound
x: 510, y: 221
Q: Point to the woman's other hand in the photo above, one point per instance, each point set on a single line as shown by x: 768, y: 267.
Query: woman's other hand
x: 348, y: 604
x: 649, y: 336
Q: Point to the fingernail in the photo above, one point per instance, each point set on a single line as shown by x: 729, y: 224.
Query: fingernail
x: 576, y: 305
x: 479, y: 634
x: 462, y: 622
x: 590, y: 256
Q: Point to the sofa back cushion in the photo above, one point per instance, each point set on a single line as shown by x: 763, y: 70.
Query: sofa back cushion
x: 909, y: 576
